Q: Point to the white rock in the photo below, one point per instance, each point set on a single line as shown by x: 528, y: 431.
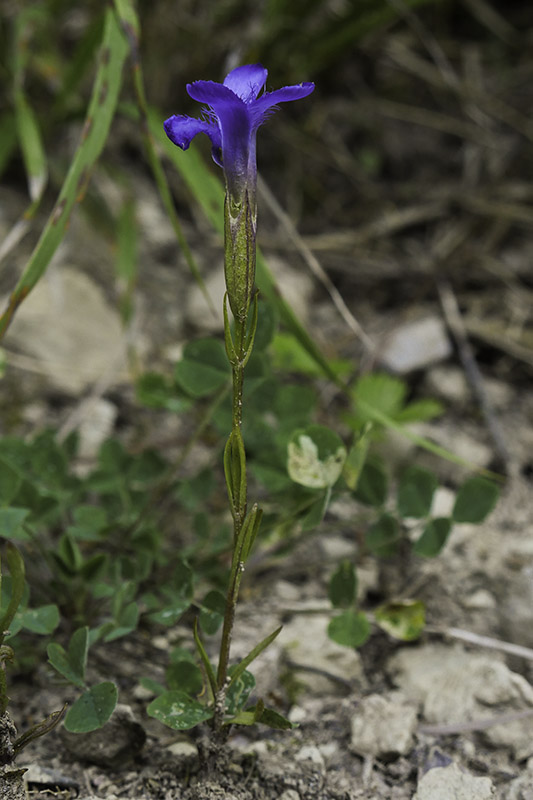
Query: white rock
x: 310, y: 753
x: 69, y: 329
x: 198, y: 312
x: 522, y: 787
x: 457, y: 686
x: 383, y: 726
x: 185, y: 751
x: 96, y: 426
x: 289, y: 794
x: 415, y: 345
x: 443, y: 502
x: 306, y: 642
x: 449, y: 783
x: 285, y: 591
x: 448, y: 382
x: 480, y: 600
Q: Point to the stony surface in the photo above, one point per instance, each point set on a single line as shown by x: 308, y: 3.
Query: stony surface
x: 383, y: 726
x: 119, y: 740
x: 449, y: 783
x: 458, y: 686
x: 68, y: 315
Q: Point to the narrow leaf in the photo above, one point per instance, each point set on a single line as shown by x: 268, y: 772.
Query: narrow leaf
x: 40, y: 729
x: 252, y: 655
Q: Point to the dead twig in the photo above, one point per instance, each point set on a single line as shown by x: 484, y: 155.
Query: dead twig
x: 474, y: 377
x: 470, y: 726
x: 482, y: 641
x: 315, y: 266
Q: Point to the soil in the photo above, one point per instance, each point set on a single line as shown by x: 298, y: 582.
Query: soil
x: 445, y: 216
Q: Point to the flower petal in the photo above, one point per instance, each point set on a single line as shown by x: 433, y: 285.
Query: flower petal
x: 246, y: 81
x: 181, y: 130
x: 235, y: 123
x: 269, y: 99
x: 211, y: 92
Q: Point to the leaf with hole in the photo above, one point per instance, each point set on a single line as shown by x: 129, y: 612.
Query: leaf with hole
x: 316, y: 456
x: 402, y: 620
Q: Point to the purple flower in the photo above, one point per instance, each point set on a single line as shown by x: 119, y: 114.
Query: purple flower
x: 235, y: 110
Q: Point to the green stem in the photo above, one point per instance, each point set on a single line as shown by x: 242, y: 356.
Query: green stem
x: 238, y: 504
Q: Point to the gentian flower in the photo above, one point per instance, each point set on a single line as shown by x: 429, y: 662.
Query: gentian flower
x: 234, y: 110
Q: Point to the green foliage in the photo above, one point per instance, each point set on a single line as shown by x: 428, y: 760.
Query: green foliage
x: 203, y: 368
x: 343, y: 585
x: 372, y: 486
x: 433, y: 538
x: 71, y: 664
x: 350, y: 629
x: 93, y: 709
x: 179, y: 711
x: 475, y: 500
x: 415, y: 492
x: 108, y: 538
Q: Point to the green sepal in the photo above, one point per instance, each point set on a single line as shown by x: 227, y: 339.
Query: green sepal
x: 235, y: 471
x: 249, y: 344
x: 252, y: 655
x: 249, y: 532
x: 17, y: 571
x: 228, y: 338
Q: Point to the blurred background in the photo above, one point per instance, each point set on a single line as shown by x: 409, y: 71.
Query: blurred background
x: 412, y: 161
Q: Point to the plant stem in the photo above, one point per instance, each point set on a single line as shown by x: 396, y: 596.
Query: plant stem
x: 239, y: 502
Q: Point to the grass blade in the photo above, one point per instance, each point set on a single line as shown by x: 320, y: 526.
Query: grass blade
x: 96, y: 128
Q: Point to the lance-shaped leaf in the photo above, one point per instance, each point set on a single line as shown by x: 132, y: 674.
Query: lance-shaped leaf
x: 235, y: 471
x: 211, y: 677
x: 39, y: 729
x: 252, y: 655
